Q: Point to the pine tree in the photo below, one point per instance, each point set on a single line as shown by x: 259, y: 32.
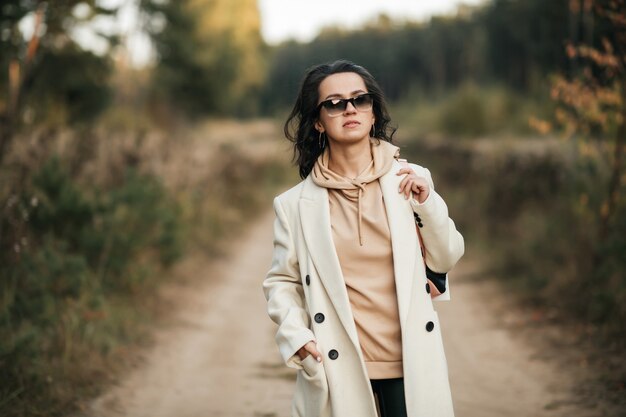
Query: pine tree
x: 209, y: 53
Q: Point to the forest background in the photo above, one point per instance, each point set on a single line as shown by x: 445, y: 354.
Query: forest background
x: 110, y: 174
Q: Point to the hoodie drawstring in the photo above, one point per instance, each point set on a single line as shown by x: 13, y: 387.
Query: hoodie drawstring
x: 361, y: 187
x: 383, y: 154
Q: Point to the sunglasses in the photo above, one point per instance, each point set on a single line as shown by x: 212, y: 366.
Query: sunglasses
x: 336, y: 106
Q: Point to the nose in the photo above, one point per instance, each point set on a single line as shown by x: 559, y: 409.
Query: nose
x: 350, y: 108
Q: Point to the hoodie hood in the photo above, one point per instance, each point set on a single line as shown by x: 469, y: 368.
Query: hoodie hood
x: 383, y: 154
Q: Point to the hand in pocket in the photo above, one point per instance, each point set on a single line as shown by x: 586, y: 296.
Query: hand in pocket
x: 310, y: 348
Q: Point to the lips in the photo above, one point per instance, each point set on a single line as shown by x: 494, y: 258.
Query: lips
x: 351, y: 123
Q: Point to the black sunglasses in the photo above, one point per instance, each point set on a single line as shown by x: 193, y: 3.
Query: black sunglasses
x: 336, y: 106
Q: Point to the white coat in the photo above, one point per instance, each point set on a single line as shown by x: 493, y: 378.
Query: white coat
x: 305, y: 278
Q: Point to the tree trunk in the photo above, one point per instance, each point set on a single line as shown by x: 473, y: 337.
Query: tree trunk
x: 607, y: 213
x: 17, y: 75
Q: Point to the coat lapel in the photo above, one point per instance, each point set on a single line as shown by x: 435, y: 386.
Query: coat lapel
x: 316, y: 227
x: 315, y: 221
x: 404, y: 243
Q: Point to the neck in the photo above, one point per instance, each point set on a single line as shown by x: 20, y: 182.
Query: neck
x: 349, y: 160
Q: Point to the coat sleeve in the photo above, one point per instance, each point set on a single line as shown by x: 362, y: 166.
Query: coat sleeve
x: 284, y: 293
x: 444, y: 244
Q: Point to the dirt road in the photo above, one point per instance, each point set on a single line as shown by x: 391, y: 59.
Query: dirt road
x: 217, y: 357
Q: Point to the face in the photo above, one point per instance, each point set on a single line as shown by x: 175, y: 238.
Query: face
x: 350, y: 125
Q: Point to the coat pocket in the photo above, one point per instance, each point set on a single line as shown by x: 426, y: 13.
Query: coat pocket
x: 311, y: 397
x: 310, y: 365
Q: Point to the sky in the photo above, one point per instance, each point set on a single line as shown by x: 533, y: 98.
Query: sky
x: 280, y: 20
x: 303, y: 19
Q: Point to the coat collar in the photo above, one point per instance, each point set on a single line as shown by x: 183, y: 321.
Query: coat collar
x: 315, y: 221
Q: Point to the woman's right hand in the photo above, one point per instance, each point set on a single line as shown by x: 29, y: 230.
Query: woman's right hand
x: 310, y: 349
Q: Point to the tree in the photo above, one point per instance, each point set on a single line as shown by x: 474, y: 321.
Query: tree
x: 526, y: 40
x: 209, y: 53
x: 48, y: 71
x: 592, y: 101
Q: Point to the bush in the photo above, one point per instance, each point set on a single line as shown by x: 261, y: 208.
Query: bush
x: 537, y: 215
x: 69, y: 252
x: 470, y: 111
x: 464, y: 113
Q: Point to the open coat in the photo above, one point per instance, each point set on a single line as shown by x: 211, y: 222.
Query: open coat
x: 305, y: 278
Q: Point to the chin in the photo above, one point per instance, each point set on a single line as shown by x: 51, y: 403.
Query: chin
x: 353, y: 137
x: 352, y: 140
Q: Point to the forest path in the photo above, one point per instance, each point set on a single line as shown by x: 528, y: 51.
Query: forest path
x: 217, y: 356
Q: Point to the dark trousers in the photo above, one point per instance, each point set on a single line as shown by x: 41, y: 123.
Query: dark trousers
x: 389, y: 395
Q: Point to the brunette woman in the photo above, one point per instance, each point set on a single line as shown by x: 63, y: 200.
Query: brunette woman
x: 348, y: 285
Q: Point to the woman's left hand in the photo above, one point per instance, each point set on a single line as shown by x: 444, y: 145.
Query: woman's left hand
x: 412, y: 183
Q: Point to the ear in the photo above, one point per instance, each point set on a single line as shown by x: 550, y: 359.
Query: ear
x: 319, y: 127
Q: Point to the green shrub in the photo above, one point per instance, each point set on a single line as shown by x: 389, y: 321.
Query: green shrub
x: 536, y: 214
x: 517, y: 182
x: 464, y: 113
x: 74, y: 251
x: 470, y: 111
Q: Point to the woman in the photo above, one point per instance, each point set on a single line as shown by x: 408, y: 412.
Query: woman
x: 347, y: 286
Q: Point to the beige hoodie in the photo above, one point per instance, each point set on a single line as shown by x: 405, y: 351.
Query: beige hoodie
x: 383, y: 154
x: 363, y: 244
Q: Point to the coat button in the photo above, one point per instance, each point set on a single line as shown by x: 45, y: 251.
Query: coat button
x: 308, y: 280
x: 428, y: 288
x: 319, y: 317
x: 420, y: 224
x: 430, y: 326
x: 333, y: 354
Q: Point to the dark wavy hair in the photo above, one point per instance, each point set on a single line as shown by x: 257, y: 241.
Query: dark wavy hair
x: 300, y: 125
